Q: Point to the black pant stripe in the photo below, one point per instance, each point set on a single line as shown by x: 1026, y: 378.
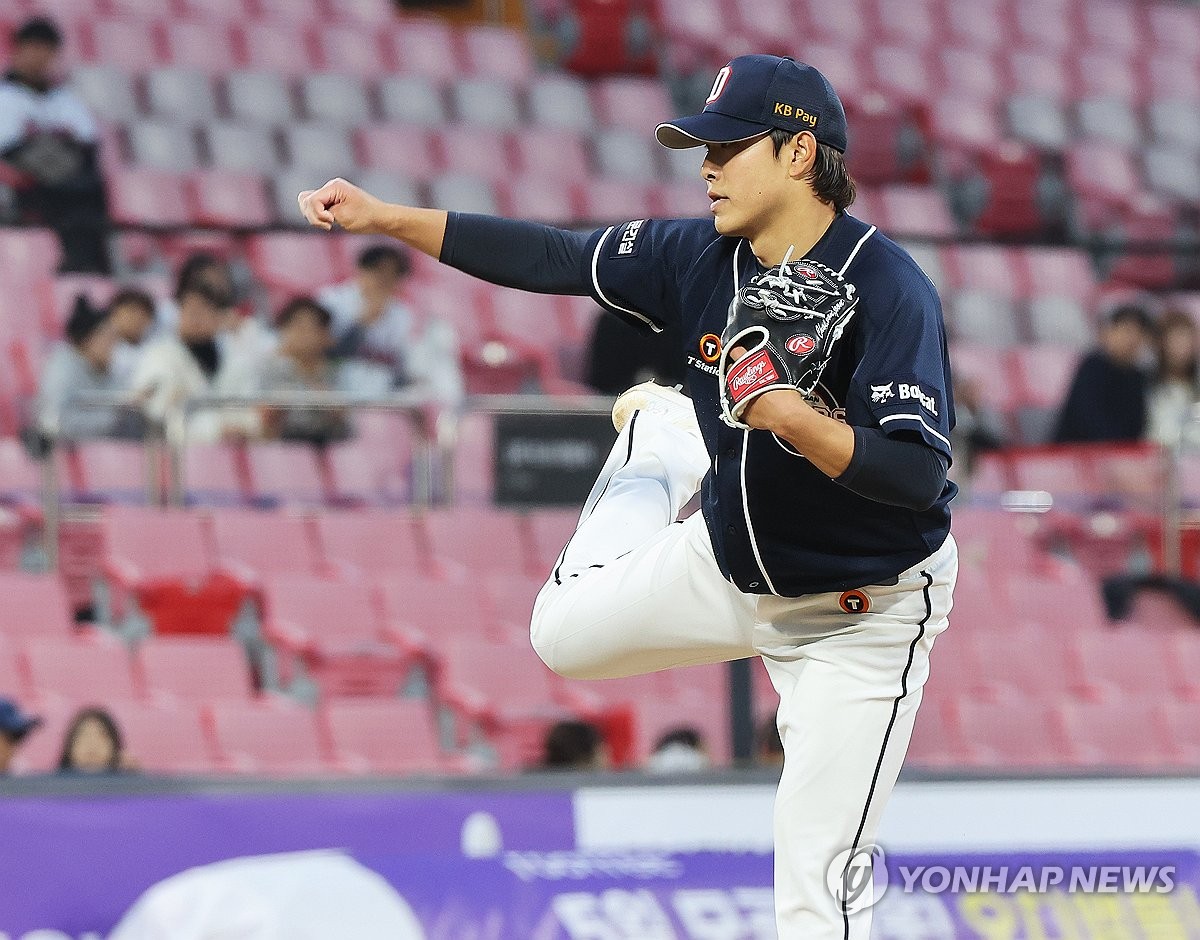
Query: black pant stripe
x: 912, y: 650
x: 628, y: 456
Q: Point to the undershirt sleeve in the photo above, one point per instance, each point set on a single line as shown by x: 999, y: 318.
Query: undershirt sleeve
x: 526, y: 255
x: 899, y: 471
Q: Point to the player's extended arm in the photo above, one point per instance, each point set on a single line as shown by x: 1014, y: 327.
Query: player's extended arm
x: 511, y: 253
x: 356, y: 210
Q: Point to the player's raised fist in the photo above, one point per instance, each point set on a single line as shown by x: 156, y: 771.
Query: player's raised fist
x: 345, y: 204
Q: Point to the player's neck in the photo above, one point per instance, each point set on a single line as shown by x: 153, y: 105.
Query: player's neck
x: 799, y: 228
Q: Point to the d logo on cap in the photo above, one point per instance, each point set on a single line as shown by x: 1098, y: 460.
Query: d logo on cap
x: 718, y: 84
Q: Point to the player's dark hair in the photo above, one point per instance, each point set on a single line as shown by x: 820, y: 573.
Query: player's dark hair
x: 298, y: 305
x: 40, y: 29
x: 829, y: 178
x: 571, y: 744
x: 377, y: 256
x: 135, y: 296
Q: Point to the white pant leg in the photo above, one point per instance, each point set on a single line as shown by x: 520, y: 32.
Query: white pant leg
x: 633, y: 592
x: 849, y: 687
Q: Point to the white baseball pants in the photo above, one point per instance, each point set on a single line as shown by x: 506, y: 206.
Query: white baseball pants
x: 635, y: 592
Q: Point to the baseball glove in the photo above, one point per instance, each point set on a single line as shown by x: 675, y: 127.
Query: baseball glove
x: 788, y: 320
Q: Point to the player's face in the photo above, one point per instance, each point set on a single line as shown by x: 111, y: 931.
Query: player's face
x: 747, y: 184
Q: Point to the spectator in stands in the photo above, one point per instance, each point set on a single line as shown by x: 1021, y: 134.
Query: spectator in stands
x: 15, y: 726
x: 1175, y: 388
x: 82, y: 365
x: 377, y: 334
x: 189, y: 363
x: 575, y: 745
x: 49, y: 147
x: 93, y: 745
x: 302, y: 364
x: 131, y: 311
x: 620, y: 356
x: 978, y: 427
x: 1107, y: 399
x: 768, y: 746
x: 679, y: 751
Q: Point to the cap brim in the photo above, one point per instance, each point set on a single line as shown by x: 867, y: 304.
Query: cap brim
x: 707, y: 127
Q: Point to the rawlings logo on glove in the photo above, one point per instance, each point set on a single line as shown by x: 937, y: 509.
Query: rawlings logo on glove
x: 788, y: 320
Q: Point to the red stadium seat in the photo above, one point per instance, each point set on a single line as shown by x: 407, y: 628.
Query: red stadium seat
x: 334, y: 631
x: 161, y: 558
x: 250, y: 546
x: 473, y: 459
x: 631, y: 103
x: 511, y: 601
x: 268, y: 738
x: 606, y: 201
x: 365, y: 12
x: 1049, y: 26
x: 496, y: 52
x: 1013, y: 735
x: 292, y: 262
x: 916, y: 210
x: 282, y: 48
x: 369, y: 474
x: 529, y: 196
x: 902, y: 72
x: 1126, y: 733
x: 474, y: 151
x: 287, y: 11
x: 1012, y: 203
x: 147, y: 197
x: 230, y: 199
x: 114, y: 471
x: 97, y: 670
x: 1183, y: 731
x: 353, y: 50
x: 130, y: 44
x: 425, y: 47
x: 468, y: 539
x: 1185, y: 651
x: 970, y: 70
x: 843, y: 23
x: 1026, y: 663
x: 371, y: 544
x: 35, y: 605
x: 1133, y: 662
x: 399, y: 148
x: 1044, y: 373
x: 436, y: 610
x: 165, y: 739
x: 388, y: 736
x: 882, y: 148
x: 549, y: 531
x: 1065, y: 599
x: 655, y: 716
x: 936, y: 742
x: 506, y: 690
x: 1102, y: 72
x: 20, y: 476
x: 286, y: 473
x: 213, y: 475
x: 548, y: 153
x: 1038, y: 72
x: 193, y: 670
x: 200, y: 45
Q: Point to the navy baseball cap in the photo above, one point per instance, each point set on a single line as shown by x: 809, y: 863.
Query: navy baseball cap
x: 15, y: 723
x: 755, y: 93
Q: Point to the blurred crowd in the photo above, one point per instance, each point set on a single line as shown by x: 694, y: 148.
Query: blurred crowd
x: 92, y: 743
x: 357, y: 337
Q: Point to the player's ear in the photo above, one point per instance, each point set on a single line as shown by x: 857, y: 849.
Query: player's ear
x: 803, y: 150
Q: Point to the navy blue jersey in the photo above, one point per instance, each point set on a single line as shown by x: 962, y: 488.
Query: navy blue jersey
x: 779, y: 525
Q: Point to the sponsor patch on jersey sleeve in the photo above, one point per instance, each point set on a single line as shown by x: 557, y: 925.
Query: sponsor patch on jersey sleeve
x: 910, y: 404
x: 626, y: 241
